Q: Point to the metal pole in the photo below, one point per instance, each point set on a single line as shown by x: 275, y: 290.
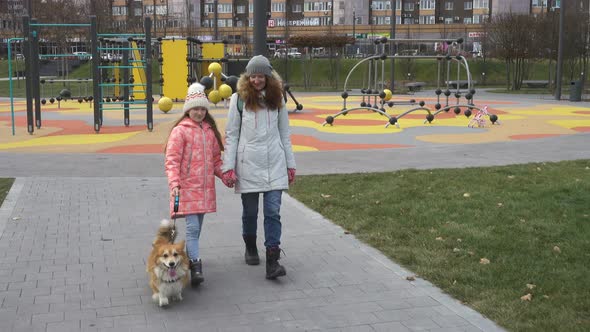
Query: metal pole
x: 154, y: 18
x: 560, y: 52
x: 148, y: 75
x: 97, y: 96
x: 392, y: 45
x: 28, y: 74
x: 260, y: 9
x: 35, y: 73
x: 215, y: 18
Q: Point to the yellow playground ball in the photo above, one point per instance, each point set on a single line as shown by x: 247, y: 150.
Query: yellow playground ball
x: 165, y: 104
x: 388, y: 94
x: 225, y: 91
x: 214, y: 96
x: 215, y: 68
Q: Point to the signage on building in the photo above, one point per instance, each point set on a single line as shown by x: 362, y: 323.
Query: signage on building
x: 476, y: 34
x: 271, y: 23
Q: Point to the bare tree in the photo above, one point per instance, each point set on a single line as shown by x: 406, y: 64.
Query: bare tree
x: 513, y: 39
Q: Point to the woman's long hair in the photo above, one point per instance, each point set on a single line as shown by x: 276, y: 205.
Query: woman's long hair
x: 209, y: 119
x: 273, y: 98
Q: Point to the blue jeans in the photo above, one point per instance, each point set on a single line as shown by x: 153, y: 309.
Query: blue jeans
x: 194, y: 223
x: 272, y: 216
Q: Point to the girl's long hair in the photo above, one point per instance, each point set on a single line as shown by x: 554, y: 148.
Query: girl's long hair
x: 209, y: 119
x: 273, y: 98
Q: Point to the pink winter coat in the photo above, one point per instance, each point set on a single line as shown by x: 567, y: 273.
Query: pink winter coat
x: 193, y: 158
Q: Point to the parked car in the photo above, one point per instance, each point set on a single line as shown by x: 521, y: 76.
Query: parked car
x: 83, y: 55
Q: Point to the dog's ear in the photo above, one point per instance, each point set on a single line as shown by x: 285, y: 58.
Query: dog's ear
x: 180, y: 245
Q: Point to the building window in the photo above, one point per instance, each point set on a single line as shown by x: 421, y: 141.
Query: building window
x: 468, y: 5
x: 449, y: 5
x: 297, y: 8
x: 409, y: 6
x: 138, y: 12
x: 241, y: 9
x: 480, y: 4
x: 224, y: 8
x: 426, y: 19
x: 448, y: 20
x: 427, y: 4
x: 467, y: 20
x: 277, y: 7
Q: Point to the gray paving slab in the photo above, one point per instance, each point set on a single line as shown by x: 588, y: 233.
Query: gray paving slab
x: 75, y: 231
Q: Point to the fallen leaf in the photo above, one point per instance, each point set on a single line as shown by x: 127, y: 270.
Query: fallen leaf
x: 377, y: 202
x: 484, y: 261
x: 545, y: 296
x: 527, y: 297
x: 587, y: 168
x: 556, y: 249
x: 585, y: 215
x: 530, y: 286
x: 471, y: 253
x: 538, y: 168
x: 432, y: 230
x: 522, y: 220
x: 511, y: 176
x: 439, y: 238
x: 578, y: 180
x: 454, y: 282
x: 410, y: 278
x: 466, y: 195
x: 326, y: 195
x: 500, y: 204
x: 456, y: 249
x: 459, y: 240
x: 16, y: 218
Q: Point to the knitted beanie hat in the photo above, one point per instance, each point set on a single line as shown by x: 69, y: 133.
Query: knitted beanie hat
x: 195, y: 97
x: 259, y: 65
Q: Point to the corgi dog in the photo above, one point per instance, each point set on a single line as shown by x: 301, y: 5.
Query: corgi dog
x: 167, y: 266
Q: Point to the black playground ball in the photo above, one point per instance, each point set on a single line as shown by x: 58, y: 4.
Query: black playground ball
x: 392, y: 120
x: 437, y: 106
x: 390, y: 104
x: 382, y: 109
x: 131, y: 80
x: 363, y: 104
x: 467, y: 112
x: 286, y: 87
x: 58, y: 98
x: 80, y: 100
x: 344, y: 95
x: 422, y: 103
x: 329, y: 119
x: 51, y: 100
x: 457, y: 110
x: 382, y: 94
x: 457, y: 95
x: 207, y: 82
x: 160, y: 60
x: 43, y: 101
x: 369, y: 105
x: 345, y: 111
x: 363, y: 90
x: 369, y: 91
x: 121, y: 98
x: 90, y: 98
x: 469, y: 96
x: 85, y: 98
x: 377, y: 41
x: 42, y: 81
x: 412, y: 101
x: 429, y: 118
x: 447, y: 93
x: 449, y: 57
x: 383, y: 39
x: 107, y: 99
x: 232, y: 81
x: 65, y: 94
x: 161, y: 81
x: 383, y: 56
x: 458, y: 57
x: 438, y: 92
x: 493, y: 118
x: 299, y: 107
x: 472, y: 91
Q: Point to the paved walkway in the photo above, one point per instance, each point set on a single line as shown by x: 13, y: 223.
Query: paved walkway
x: 76, y: 228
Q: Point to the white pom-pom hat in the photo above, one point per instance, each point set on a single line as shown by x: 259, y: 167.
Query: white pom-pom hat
x: 195, y: 97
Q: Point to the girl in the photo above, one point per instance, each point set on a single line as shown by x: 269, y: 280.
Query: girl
x: 259, y: 157
x: 193, y: 158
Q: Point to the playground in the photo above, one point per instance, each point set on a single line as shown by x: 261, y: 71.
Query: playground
x: 69, y: 127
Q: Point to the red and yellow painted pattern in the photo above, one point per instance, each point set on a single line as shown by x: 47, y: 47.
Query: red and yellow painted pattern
x: 69, y: 128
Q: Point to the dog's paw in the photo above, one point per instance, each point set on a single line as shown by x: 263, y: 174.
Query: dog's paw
x: 156, y: 297
x: 163, y: 301
x: 179, y: 297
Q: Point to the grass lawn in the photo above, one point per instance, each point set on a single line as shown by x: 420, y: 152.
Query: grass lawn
x: 530, y: 222
x: 5, y: 185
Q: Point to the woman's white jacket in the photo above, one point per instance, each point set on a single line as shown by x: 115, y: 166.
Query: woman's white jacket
x: 258, y: 148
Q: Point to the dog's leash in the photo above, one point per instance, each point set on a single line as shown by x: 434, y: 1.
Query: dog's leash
x: 173, y: 231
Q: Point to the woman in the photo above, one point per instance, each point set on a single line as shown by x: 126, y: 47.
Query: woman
x: 258, y: 157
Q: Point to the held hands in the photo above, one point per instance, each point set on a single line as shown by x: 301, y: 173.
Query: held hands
x: 229, y: 178
x: 291, y: 174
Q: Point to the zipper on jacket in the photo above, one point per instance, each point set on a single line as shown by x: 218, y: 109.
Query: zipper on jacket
x: 205, y: 159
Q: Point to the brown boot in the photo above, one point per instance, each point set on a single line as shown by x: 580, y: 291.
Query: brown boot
x: 251, y: 254
x: 273, y: 268
x: 196, y: 267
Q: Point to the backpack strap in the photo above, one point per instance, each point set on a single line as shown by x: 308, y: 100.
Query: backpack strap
x: 240, y: 105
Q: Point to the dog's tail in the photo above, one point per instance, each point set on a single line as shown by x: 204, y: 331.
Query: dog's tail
x: 165, y: 233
